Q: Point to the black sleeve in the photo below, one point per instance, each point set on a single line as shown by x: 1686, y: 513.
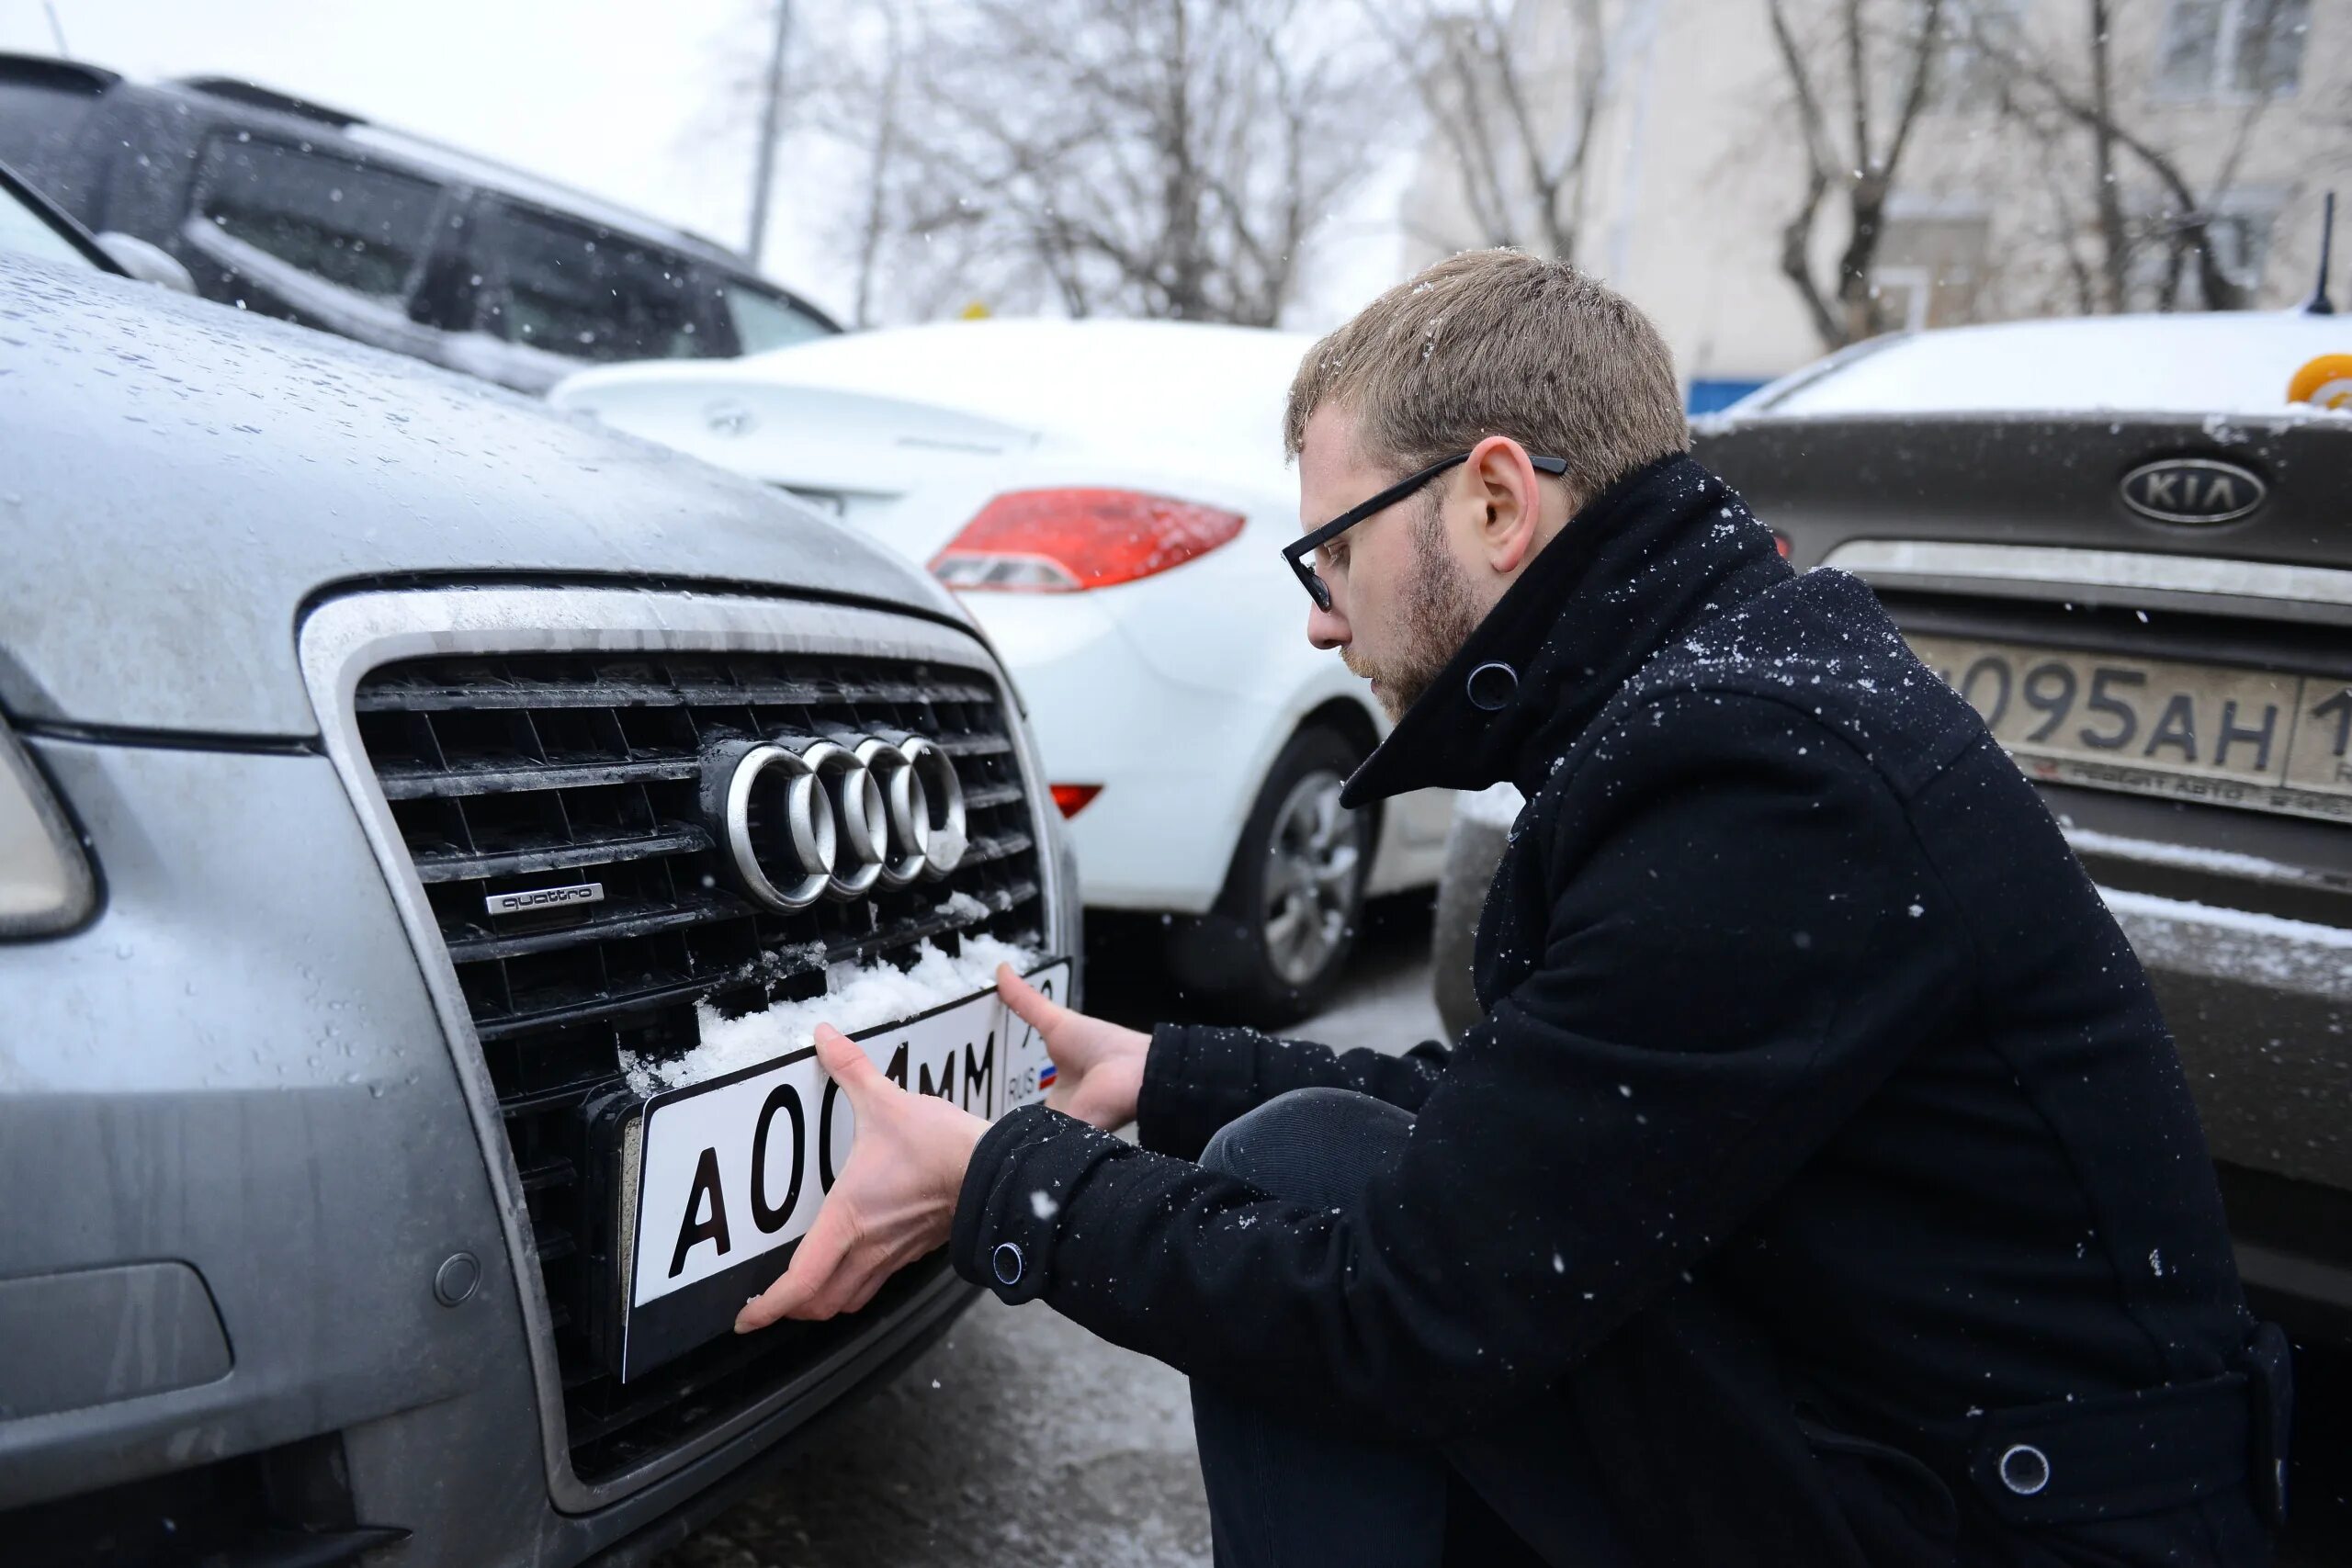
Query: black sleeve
x: 1744, y: 942
x: 1197, y: 1078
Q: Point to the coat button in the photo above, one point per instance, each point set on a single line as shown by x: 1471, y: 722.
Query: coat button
x: 1006, y: 1262
x: 2025, y: 1470
x: 1492, y: 686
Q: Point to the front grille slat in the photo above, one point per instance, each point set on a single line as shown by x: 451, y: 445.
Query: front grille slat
x: 520, y: 772
x: 605, y: 923
x: 422, y: 784
x: 397, y: 697
x: 454, y: 867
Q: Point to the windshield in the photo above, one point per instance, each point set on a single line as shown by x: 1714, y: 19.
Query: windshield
x: 28, y: 231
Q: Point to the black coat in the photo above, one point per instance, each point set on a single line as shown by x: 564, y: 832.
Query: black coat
x: 1821, y: 1117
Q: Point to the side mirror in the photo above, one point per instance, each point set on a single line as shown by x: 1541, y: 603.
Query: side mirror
x: 146, y: 262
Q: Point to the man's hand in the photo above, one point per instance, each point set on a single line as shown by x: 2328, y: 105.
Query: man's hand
x: 895, y: 1200
x: 1098, y: 1067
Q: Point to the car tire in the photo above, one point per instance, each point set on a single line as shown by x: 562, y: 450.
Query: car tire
x: 1276, y: 942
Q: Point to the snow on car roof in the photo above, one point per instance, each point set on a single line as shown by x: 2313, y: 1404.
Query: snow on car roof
x: 2231, y: 363
x: 1217, y: 390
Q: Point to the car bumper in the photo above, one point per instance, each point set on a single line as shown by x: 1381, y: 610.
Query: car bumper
x: 235, y: 1143
x: 2261, y: 1012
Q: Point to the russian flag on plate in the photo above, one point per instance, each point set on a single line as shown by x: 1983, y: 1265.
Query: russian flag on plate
x: 1045, y: 1075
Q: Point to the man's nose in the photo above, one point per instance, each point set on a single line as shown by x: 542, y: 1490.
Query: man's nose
x: 1327, y: 629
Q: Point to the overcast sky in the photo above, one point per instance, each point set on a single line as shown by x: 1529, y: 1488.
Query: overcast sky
x: 622, y: 97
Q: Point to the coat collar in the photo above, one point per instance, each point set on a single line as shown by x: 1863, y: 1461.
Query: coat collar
x: 1656, y: 551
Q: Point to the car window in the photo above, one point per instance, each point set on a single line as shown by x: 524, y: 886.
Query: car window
x: 355, y: 226
x: 763, y: 320
x: 28, y: 232
x: 580, y: 290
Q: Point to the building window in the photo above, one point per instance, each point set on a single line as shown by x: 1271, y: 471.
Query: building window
x: 2164, y: 273
x: 1930, y: 268
x: 2240, y: 49
x: 1978, y: 39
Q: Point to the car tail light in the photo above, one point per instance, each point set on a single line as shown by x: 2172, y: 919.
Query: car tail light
x: 1065, y: 541
x: 1074, y: 798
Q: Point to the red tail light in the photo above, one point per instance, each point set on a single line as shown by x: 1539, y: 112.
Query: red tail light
x: 1065, y: 541
x: 1781, y: 541
x: 1074, y: 798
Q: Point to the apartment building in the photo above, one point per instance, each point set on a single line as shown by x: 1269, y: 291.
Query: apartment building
x: 1696, y: 162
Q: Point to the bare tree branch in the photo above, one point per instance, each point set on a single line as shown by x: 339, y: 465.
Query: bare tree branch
x: 1864, y: 53
x: 1522, y: 154
x: 2082, y: 91
x: 1152, y: 157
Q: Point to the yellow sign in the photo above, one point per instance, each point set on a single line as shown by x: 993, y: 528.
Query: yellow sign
x: 2325, y: 382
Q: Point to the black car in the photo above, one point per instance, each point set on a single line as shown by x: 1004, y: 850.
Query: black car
x: 284, y: 207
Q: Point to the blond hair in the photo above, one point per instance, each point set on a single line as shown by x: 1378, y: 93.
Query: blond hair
x: 1499, y: 342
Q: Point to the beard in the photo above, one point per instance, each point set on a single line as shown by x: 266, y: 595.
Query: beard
x: 1439, y: 613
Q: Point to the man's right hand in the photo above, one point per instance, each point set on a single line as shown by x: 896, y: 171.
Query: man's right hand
x: 1098, y: 1067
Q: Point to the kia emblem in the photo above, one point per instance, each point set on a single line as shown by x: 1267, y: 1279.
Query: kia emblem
x: 2193, y: 489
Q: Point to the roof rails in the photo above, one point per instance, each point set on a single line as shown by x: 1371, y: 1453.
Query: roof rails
x: 255, y: 96
x: 54, y: 71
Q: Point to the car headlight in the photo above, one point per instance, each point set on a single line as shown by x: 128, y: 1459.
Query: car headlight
x: 45, y: 881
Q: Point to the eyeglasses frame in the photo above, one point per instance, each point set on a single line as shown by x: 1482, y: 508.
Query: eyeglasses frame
x: 1305, y: 544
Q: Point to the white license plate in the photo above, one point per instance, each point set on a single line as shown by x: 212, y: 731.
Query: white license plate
x: 2254, y: 738
x: 729, y: 1173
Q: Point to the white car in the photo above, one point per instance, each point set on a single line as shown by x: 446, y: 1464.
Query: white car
x: 1108, y: 497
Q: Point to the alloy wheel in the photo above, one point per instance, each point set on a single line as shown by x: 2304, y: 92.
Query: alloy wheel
x: 1315, y: 864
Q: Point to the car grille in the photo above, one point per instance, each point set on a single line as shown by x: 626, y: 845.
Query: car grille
x: 515, y: 773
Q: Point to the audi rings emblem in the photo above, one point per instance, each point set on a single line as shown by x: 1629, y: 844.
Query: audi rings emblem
x: 799, y: 820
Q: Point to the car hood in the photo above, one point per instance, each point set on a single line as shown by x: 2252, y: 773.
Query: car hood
x: 178, y: 481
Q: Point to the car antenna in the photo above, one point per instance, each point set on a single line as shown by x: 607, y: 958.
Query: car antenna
x: 2319, y: 304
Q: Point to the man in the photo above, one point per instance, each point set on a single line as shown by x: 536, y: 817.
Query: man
x: 1821, y: 1187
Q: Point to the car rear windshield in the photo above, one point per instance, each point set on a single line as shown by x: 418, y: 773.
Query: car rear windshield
x: 358, y: 227
x: 2223, y: 363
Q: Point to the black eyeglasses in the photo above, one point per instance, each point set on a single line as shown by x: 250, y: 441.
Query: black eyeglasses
x: 1305, y: 544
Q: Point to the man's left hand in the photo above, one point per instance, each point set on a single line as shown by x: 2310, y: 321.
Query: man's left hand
x: 895, y: 1200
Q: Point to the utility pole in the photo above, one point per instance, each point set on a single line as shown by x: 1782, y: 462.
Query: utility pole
x: 770, y: 113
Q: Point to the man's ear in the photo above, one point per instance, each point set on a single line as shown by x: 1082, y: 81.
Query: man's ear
x: 1502, y: 484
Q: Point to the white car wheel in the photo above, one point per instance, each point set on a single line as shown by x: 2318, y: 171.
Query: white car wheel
x: 1279, y: 938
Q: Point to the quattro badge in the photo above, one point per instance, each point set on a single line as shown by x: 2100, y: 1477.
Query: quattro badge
x: 544, y: 898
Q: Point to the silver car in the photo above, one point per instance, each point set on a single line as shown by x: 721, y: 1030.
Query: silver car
x: 357, y: 829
